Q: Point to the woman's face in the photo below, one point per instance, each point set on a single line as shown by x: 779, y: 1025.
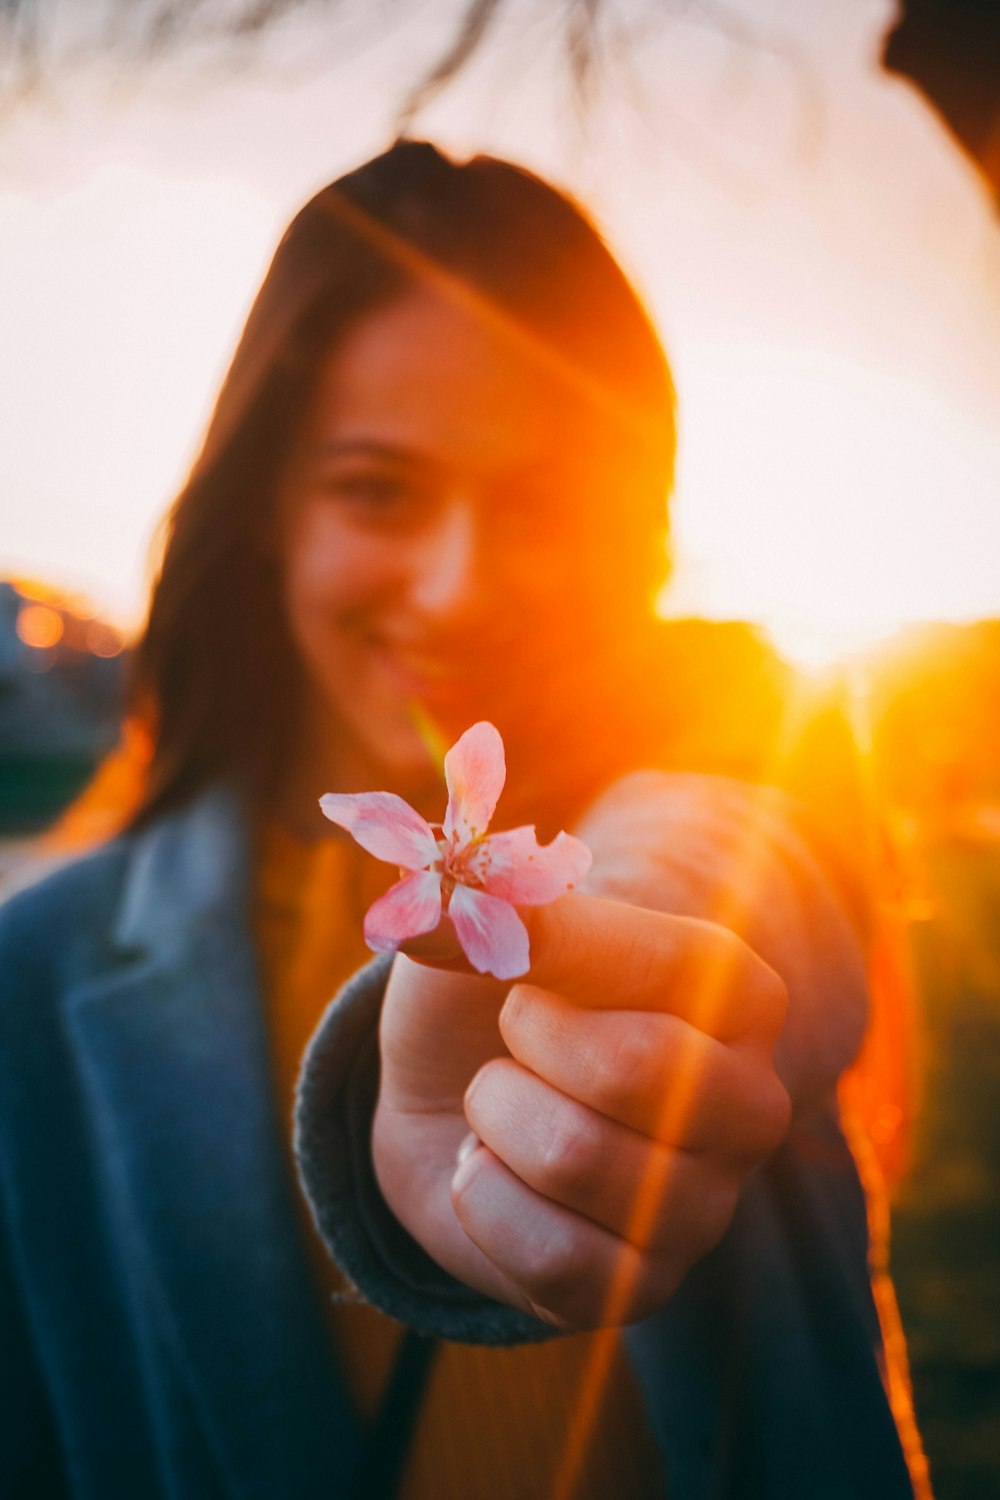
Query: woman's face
x: 444, y: 526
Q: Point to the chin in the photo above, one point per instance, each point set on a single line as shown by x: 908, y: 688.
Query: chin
x: 397, y: 748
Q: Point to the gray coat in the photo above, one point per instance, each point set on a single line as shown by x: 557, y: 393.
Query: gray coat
x: 160, y: 1332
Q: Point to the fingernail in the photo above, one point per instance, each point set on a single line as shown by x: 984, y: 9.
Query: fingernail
x: 467, y: 1147
x: 544, y: 1316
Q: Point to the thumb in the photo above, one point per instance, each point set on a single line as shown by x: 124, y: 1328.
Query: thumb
x: 439, y: 949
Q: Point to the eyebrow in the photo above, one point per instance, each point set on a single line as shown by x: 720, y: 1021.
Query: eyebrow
x: 403, y: 455
x: 373, y: 448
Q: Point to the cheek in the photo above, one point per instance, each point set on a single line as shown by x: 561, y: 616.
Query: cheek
x: 331, y: 571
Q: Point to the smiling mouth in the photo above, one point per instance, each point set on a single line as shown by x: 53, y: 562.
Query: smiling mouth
x: 434, y: 668
x: 420, y: 673
x: 467, y: 676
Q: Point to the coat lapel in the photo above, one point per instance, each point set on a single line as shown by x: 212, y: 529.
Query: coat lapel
x: 173, y: 1057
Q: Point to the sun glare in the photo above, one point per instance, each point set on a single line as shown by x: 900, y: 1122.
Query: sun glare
x: 138, y: 322
x: 829, y: 501
x: 817, y: 650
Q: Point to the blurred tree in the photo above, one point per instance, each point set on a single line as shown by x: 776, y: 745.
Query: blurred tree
x: 949, y: 48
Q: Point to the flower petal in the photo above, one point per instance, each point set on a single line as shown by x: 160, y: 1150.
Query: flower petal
x: 475, y: 772
x: 385, y: 825
x: 492, y: 935
x: 409, y: 908
x: 515, y: 867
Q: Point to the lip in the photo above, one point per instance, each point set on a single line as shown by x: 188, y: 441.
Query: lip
x: 417, y: 672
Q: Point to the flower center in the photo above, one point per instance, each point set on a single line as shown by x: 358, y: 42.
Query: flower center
x: 460, y: 863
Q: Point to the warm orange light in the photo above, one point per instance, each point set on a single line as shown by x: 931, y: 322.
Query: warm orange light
x: 103, y: 639
x: 39, y: 626
x: 819, y: 649
x: 35, y: 590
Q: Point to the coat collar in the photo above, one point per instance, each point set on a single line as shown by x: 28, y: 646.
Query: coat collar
x: 174, y: 1061
x: 188, y: 870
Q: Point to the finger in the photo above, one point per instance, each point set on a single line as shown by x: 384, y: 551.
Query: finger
x: 649, y: 1194
x: 654, y: 1073
x: 609, y: 954
x: 567, y: 1268
x: 433, y: 1020
x: 439, y: 949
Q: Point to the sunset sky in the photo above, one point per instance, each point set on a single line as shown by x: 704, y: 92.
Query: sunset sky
x: 823, y: 263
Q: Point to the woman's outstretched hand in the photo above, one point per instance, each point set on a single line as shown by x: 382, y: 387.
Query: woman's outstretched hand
x: 605, y: 1109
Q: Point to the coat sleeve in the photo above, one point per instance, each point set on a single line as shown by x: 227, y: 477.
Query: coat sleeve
x: 335, y: 1105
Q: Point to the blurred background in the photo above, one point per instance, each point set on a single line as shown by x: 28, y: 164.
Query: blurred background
x: 807, y: 195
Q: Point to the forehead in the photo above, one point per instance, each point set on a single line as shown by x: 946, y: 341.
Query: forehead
x: 426, y: 373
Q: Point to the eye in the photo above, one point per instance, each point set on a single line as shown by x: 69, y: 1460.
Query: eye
x: 374, y: 496
x: 377, y: 490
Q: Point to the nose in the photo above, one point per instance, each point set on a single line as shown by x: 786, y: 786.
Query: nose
x: 445, y: 572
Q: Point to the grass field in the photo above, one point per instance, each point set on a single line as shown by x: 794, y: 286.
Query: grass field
x: 946, y: 1223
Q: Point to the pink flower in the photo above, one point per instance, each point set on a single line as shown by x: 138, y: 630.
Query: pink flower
x: 457, y: 868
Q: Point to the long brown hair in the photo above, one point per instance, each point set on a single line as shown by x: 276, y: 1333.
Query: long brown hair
x: 215, y: 675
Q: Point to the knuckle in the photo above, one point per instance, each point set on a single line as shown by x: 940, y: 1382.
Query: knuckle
x: 757, y: 992
x: 757, y: 995
x: 693, y: 1218
x: 720, y: 949
x: 585, y: 1294
x: 649, y: 1283
x: 624, y: 1067
x: 720, y: 961
x: 558, y: 1272
x: 719, y: 1202
x: 570, y: 1154
x: 642, y: 962
x: 771, y: 995
x: 771, y: 1113
x: 582, y: 1302
x: 776, y: 1112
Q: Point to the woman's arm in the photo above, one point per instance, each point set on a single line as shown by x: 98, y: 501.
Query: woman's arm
x: 685, y: 842
x: 611, y: 1141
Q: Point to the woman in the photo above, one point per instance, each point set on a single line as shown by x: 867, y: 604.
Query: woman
x: 432, y: 492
